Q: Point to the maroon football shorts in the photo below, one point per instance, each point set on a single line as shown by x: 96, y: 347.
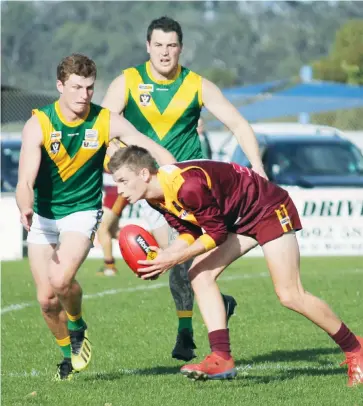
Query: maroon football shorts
x: 277, y: 221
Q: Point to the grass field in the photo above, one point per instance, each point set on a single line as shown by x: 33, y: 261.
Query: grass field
x: 282, y: 358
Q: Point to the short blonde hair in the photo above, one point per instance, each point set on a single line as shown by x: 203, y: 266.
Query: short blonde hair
x: 133, y: 157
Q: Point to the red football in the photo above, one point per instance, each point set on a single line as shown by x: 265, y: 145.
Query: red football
x: 134, y: 242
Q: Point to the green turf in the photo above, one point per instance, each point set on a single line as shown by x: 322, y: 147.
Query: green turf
x: 282, y: 358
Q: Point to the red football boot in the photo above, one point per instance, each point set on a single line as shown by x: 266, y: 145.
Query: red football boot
x: 212, y: 367
x: 354, y: 360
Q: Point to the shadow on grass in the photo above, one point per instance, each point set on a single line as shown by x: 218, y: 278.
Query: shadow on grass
x: 284, y: 374
x: 275, y: 363
x: 308, y: 354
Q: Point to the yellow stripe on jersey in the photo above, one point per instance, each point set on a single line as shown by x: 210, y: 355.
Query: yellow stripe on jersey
x: 164, y: 81
x: 68, y: 166
x: 163, y: 123
x: 70, y: 123
x: 102, y: 125
x: 171, y: 180
x: 207, y: 241
x: 188, y: 238
x: 209, y: 181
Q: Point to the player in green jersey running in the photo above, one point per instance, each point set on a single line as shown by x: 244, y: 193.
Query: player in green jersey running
x: 163, y: 100
x: 59, y: 195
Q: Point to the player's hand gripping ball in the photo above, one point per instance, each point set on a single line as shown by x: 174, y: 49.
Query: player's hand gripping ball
x: 135, y: 243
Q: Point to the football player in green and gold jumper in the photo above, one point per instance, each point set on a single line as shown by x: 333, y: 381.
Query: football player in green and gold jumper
x: 163, y: 100
x: 59, y: 195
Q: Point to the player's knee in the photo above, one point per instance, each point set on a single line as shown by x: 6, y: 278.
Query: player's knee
x: 48, y: 303
x: 199, y: 276
x: 291, y: 299
x: 60, y: 284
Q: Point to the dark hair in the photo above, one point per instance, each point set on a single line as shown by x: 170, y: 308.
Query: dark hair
x: 165, y: 24
x: 134, y: 157
x: 78, y: 64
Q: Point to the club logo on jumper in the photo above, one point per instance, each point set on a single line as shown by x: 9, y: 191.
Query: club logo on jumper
x: 145, y: 100
x: 145, y: 87
x: 184, y: 214
x: 90, y: 144
x: 91, y: 135
x: 54, y: 147
x: 56, y: 135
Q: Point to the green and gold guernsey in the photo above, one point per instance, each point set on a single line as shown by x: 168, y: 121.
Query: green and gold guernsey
x: 70, y: 175
x: 167, y: 111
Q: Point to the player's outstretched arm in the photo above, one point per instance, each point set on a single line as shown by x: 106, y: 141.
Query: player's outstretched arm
x: 129, y: 135
x: 114, y: 99
x: 29, y: 162
x: 223, y: 110
x: 196, y: 197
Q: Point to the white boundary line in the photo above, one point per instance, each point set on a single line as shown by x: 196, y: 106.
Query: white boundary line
x: 243, y: 369
x: 19, y: 306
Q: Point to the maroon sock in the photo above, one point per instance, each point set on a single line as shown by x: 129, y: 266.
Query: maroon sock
x: 219, y: 343
x: 346, y: 340
x: 109, y: 261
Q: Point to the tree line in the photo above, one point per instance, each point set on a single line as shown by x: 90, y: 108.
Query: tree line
x: 232, y: 43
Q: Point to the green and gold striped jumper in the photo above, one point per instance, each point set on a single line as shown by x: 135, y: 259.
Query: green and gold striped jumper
x: 167, y: 111
x: 69, y: 179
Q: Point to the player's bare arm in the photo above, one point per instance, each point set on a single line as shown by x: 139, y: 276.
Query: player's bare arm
x: 171, y: 256
x: 113, y: 146
x: 127, y: 133
x: 224, y: 111
x: 196, y: 198
x: 29, y: 162
x: 114, y: 99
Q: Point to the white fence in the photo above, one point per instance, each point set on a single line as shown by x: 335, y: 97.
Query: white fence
x: 332, y: 224
x: 332, y: 218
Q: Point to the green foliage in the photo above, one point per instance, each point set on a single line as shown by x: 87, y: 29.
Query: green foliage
x: 221, y: 77
x: 329, y: 69
x: 343, y: 64
x: 253, y: 41
x: 346, y: 120
x: 345, y: 61
x: 343, y: 119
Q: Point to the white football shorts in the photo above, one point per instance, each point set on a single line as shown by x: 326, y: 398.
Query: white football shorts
x: 48, y: 231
